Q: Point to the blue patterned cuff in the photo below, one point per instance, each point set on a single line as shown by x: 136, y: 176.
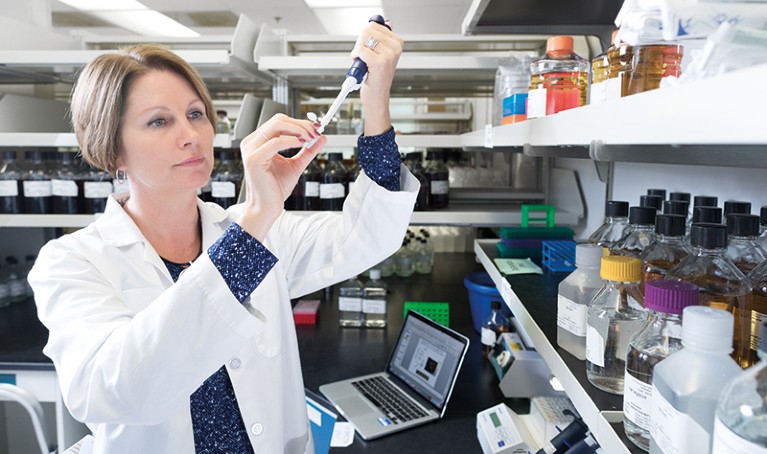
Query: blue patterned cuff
x: 379, y: 158
x: 242, y: 261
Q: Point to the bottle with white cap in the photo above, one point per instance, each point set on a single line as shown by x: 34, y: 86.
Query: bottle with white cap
x: 575, y: 293
x: 687, y: 384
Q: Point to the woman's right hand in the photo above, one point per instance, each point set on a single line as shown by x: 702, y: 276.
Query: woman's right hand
x: 269, y: 178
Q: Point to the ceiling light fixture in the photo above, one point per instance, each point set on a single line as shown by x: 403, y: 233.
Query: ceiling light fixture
x: 134, y: 16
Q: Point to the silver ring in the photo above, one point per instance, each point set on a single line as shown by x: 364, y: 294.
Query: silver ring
x: 371, y: 43
x: 263, y: 135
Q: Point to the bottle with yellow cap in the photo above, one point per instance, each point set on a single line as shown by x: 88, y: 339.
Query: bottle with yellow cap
x: 559, y: 79
x: 615, y: 314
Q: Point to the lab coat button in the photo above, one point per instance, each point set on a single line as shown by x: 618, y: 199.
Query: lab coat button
x: 257, y: 428
x: 235, y: 363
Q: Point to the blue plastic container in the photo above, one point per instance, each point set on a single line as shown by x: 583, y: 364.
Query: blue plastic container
x: 482, y: 291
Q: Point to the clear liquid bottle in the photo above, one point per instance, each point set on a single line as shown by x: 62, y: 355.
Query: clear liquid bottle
x: 614, y: 315
x: 614, y: 226
x: 333, y: 183
x: 17, y: 288
x: 512, y: 81
x: 687, y: 384
x: 226, y: 180
x: 439, y: 180
x: 428, y: 245
x: 36, y: 184
x: 740, y: 424
x: 65, y: 191
x: 492, y: 327
x: 350, y: 294
x: 574, y: 295
x: 720, y: 283
x: 640, y: 233
x: 11, y: 201
x: 558, y: 79
x: 742, y: 248
x: 762, y: 240
x: 374, y: 301
x: 423, y: 258
x: 403, y: 260
x: 758, y: 279
x: 668, y: 249
x: 657, y: 339
x: 223, y: 124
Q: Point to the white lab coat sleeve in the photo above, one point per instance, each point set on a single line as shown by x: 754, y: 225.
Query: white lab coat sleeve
x: 118, y: 366
x: 326, y: 248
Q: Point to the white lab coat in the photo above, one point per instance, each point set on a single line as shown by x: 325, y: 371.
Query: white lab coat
x: 130, y: 347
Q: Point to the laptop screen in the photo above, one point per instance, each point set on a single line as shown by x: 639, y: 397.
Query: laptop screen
x: 427, y: 357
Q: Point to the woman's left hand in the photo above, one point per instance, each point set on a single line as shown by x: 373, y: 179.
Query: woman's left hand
x: 382, y: 63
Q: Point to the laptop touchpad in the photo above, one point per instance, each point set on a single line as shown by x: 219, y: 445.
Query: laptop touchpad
x: 355, y: 406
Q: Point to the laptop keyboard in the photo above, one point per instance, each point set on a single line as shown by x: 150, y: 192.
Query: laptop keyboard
x: 389, y: 399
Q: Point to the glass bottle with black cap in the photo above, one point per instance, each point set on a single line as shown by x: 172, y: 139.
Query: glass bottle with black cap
x: 736, y: 206
x: 720, y: 283
x: 640, y: 233
x: 654, y: 201
x: 614, y: 225
x: 668, y: 249
x: 742, y: 248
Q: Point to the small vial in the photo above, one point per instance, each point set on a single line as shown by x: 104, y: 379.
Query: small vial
x: 614, y: 315
x: 374, y: 301
x: 350, y: 303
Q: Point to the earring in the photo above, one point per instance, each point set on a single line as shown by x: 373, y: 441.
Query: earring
x: 121, y: 176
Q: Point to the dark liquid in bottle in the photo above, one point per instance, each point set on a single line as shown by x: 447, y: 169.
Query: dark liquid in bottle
x: 37, y: 205
x: 336, y: 203
x: 64, y: 204
x: 226, y: 202
x: 12, y: 204
x: 307, y: 202
x: 437, y: 200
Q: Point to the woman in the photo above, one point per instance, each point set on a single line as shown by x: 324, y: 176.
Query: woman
x: 170, y: 319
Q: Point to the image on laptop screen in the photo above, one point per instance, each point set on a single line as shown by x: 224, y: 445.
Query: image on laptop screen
x: 426, y: 358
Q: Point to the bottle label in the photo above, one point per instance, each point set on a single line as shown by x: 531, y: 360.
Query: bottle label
x: 97, y: 189
x: 37, y: 188
x: 571, y: 315
x: 673, y: 431
x: 123, y: 186
x: 222, y: 189
x: 488, y: 336
x: 439, y: 187
x: 332, y: 191
x: 612, y: 88
x: 728, y: 442
x: 374, y: 306
x: 312, y: 189
x: 636, y: 401
x: 757, y: 319
x: 536, y: 103
x: 9, y: 188
x: 595, y: 347
x: 349, y: 304
x: 64, y: 188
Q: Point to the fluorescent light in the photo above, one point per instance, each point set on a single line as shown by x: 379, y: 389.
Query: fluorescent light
x: 341, y: 3
x: 346, y: 21
x: 105, y: 5
x: 134, y: 16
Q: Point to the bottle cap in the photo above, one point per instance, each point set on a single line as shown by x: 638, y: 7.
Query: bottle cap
x: 763, y: 215
x: 335, y: 157
x: 736, y: 206
x: 739, y: 224
x: 683, y: 196
x: 435, y: 155
x: 653, y: 201
x: 495, y: 305
x: 670, y: 297
x: 642, y: 215
x: 621, y: 268
x: 588, y: 255
x: 658, y: 192
x: 708, y: 236
x: 375, y: 274
x: 707, y: 328
x: 707, y: 214
x: 616, y: 209
x: 679, y: 207
x: 226, y: 155
x: 559, y: 44
x: 705, y: 201
x: 670, y: 225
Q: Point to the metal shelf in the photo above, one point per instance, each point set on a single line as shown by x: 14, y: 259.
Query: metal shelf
x: 601, y: 411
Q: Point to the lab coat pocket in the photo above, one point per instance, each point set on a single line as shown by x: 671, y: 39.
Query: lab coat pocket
x: 137, y: 299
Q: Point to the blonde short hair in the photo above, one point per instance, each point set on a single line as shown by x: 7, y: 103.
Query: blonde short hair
x: 99, y: 98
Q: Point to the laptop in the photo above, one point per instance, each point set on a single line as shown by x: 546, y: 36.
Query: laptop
x: 414, y: 388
